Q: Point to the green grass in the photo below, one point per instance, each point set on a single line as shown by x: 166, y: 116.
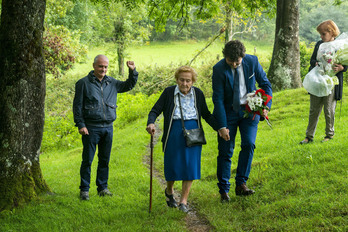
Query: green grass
x: 127, y: 210
x: 298, y: 187
x: 167, y: 53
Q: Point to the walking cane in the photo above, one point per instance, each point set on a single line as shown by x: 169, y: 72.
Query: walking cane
x: 151, y: 162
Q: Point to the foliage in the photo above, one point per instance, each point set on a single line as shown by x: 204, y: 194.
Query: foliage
x: 133, y: 107
x: 314, y: 12
x: 62, y: 49
x: 305, y: 57
x: 59, y: 131
x: 184, y: 11
x: 195, y: 30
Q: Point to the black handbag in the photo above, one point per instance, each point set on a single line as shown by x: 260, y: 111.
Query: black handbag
x: 193, y: 137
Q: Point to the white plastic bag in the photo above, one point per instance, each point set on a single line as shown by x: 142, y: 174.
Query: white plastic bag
x: 317, y: 83
x: 326, y: 55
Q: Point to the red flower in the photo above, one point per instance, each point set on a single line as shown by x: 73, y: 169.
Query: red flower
x: 255, y: 106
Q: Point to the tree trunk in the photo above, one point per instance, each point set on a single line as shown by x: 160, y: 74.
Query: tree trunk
x: 120, y: 59
x: 228, y: 20
x: 120, y: 32
x: 284, y: 71
x: 22, y: 96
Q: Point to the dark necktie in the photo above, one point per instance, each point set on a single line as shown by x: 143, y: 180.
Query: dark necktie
x: 236, y: 100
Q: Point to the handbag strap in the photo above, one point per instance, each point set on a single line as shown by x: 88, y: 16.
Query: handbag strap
x: 182, y: 116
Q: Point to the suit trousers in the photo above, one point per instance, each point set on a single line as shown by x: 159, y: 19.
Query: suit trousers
x: 316, y: 105
x: 101, y: 137
x: 248, y: 130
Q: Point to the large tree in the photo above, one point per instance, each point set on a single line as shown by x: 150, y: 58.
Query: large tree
x: 22, y: 95
x: 284, y: 71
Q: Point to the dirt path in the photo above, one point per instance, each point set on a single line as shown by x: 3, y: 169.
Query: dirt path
x: 194, y: 221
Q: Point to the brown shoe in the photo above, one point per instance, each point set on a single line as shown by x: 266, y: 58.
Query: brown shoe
x: 225, y: 198
x: 243, y: 190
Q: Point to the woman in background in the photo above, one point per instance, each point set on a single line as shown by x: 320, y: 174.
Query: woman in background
x: 328, y: 31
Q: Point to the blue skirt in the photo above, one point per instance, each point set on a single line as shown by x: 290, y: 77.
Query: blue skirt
x: 181, y: 162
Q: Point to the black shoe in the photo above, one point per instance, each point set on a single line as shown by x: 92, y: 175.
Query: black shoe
x: 225, y: 198
x: 105, y: 192
x: 183, y: 208
x: 84, y: 195
x: 170, y: 200
x: 306, y: 141
x: 327, y: 138
x: 243, y: 190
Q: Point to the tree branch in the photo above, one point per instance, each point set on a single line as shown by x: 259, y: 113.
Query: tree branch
x: 222, y: 30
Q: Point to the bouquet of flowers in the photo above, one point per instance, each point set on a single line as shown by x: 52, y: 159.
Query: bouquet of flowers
x: 341, y: 56
x: 256, y: 102
x: 321, y: 79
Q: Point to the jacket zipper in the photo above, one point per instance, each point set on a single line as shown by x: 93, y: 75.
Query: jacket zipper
x: 102, y: 95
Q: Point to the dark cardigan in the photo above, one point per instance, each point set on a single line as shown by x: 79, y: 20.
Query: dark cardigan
x: 339, y: 87
x: 167, y: 105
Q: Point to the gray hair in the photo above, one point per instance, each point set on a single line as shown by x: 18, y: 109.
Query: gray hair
x: 98, y: 56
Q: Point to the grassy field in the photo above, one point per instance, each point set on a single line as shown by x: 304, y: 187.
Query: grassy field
x: 166, y: 53
x: 298, y: 187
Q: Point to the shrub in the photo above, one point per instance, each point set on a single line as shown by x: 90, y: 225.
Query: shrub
x: 305, y: 57
x: 62, y: 49
x: 134, y: 106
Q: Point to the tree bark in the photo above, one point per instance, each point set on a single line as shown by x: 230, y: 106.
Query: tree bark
x: 120, y: 42
x: 228, y: 20
x: 22, y: 96
x: 284, y: 71
x: 120, y: 59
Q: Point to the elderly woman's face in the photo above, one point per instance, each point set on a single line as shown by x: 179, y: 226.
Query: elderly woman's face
x: 185, y: 82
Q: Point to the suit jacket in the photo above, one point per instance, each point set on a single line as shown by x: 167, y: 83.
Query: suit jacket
x: 223, y: 85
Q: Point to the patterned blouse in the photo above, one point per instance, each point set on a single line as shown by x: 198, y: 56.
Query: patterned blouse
x: 188, y: 105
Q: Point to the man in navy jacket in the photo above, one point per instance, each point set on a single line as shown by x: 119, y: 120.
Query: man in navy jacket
x: 234, y: 77
x: 94, y: 110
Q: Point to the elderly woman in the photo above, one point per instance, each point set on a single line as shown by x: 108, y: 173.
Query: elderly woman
x: 180, y: 162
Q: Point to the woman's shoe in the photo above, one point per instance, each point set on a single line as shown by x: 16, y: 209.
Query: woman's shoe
x: 327, y: 138
x: 170, y: 200
x: 306, y: 141
x: 183, y: 207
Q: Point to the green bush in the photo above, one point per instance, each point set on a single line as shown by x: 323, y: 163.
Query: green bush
x: 62, y: 49
x: 132, y: 107
x: 305, y: 57
x: 60, y: 133
x: 59, y: 130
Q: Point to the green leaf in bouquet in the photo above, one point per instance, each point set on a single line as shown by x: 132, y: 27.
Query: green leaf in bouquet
x: 341, y: 56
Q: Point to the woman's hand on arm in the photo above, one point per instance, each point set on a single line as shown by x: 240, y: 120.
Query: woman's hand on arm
x: 337, y: 67
x: 151, y: 129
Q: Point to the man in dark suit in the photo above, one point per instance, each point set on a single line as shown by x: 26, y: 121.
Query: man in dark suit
x: 233, y: 78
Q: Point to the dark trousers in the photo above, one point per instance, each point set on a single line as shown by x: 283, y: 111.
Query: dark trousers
x: 102, y: 137
x: 248, y: 129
